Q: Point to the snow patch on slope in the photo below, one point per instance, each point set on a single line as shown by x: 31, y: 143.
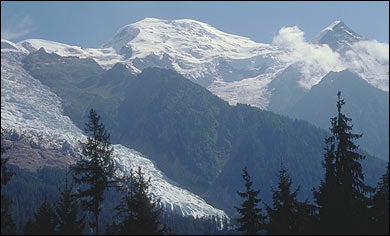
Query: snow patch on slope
x: 105, y: 57
x: 10, y: 46
x: 238, y: 91
x: 370, y: 59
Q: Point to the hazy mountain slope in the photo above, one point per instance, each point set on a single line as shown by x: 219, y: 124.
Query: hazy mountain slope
x: 366, y: 105
x: 81, y: 83
x: 202, y: 143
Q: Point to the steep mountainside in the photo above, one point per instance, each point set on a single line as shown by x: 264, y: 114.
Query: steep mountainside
x: 367, y: 105
x: 338, y: 36
x: 196, y: 138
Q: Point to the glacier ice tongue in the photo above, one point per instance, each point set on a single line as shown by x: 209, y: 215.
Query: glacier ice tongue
x: 31, y: 108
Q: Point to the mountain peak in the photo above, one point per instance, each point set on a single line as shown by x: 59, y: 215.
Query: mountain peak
x: 337, y: 35
x: 335, y: 24
x: 182, y: 39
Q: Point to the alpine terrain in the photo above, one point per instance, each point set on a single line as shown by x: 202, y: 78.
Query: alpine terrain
x: 193, y: 106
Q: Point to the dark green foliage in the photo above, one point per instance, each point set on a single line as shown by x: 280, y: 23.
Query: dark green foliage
x: 68, y: 211
x: 29, y: 189
x: 176, y: 122
x: 138, y: 213
x: 341, y: 196
x: 7, y: 223
x: 44, y: 222
x: 380, y: 205
x: 81, y: 83
x: 251, y: 220
x: 95, y: 170
x: 188, y: 225
x: 288, y: 215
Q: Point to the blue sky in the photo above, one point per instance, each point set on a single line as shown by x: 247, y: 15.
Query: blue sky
x: 91, y: 24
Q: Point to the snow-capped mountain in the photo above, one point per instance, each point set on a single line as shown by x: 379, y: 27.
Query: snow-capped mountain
x: 269, y: 76
x: 337, y: 35
x: 233, y: 67
x: 368, y: 58
x: 29, y: 107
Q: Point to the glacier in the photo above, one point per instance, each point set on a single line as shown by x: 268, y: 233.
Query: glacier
x: 29, y: 107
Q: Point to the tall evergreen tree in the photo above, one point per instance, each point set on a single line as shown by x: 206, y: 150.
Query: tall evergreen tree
x: 380, y: 205
x: 288, y: 215
x: 251, y: 220
x: 139, y: 214
x: 341, y: 197
x: 67, y: 210
x: 7, y: 223
x: 44, y: 223
x: 95, y: 170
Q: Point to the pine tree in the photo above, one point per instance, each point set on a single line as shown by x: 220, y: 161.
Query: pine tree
x: 95, y: 170
x: 251, y: 220
x: 7, y: 223
x: 139, y: 214
x: 380, y: 208
x: 341, y: 197
x: 67, y: 211
x: 288, y: 215
x: 44, y: 222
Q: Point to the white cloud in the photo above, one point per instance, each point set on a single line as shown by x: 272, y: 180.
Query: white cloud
x: 17, y: 30
x: 318, y: 59
x: 370, y: 59
x: 374, y: 49
x: 292, y: 40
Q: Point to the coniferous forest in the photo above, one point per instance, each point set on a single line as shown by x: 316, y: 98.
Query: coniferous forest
x: 89, y: 198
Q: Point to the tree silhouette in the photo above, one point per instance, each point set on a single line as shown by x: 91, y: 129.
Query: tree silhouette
x: 7, y: 224
x: 288, y: 215
x: 44, y: 222
x: 95, y: 170
x: 138, y: 213
x: 341, y: 196
x: 67, y: 211
x: 380, y: 205
x: 251, y: 220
